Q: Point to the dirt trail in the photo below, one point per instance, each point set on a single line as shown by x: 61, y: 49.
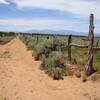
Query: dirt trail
x: 21, y: 79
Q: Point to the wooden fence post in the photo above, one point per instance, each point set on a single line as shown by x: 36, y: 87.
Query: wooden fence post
x: 89, y: 64
x: 69, y: 47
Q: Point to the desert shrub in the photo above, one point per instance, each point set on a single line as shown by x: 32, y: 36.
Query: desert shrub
x: 29, y: 41
x: 54, y: 65
x: 5, y: 39
x: 22, y: 38
x: 30, y: 45
x: 41, y: 49
x: 45, y: 47
x: 25, y: 38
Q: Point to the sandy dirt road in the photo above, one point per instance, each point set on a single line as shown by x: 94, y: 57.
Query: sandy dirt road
x: 21, y: 79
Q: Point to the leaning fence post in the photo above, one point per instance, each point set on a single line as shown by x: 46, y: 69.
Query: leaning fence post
x: 89, y: 63
x: 69, y: 47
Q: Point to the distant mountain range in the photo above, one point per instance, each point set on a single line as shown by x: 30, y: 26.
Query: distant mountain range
x: 63, y: 32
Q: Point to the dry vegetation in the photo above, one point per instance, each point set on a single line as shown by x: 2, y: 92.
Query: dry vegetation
x: 54, y: 49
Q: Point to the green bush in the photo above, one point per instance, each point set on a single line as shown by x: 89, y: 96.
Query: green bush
x: 45, y: 47
x: 54, y: 65
x: 5, y: 39
x: 29, y: 41
x: 30, y: 45
x: 25, y: 39
x: 42, y: 48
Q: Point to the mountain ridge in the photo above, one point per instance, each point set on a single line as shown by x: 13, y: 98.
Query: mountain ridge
x: 63, y: 32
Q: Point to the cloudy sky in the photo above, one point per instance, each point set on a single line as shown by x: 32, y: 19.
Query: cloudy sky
x: 23, y: 15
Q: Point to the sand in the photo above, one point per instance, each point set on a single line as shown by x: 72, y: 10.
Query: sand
x: 21, y: 78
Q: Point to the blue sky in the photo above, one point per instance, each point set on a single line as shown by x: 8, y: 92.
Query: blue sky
x: 23, y: 15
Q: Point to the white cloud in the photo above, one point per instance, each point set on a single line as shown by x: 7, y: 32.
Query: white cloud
x: 3, y: 2
x: 78, y: 7
x: 81, y: 8
x: 36, y: 23
x: 54, y: 24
